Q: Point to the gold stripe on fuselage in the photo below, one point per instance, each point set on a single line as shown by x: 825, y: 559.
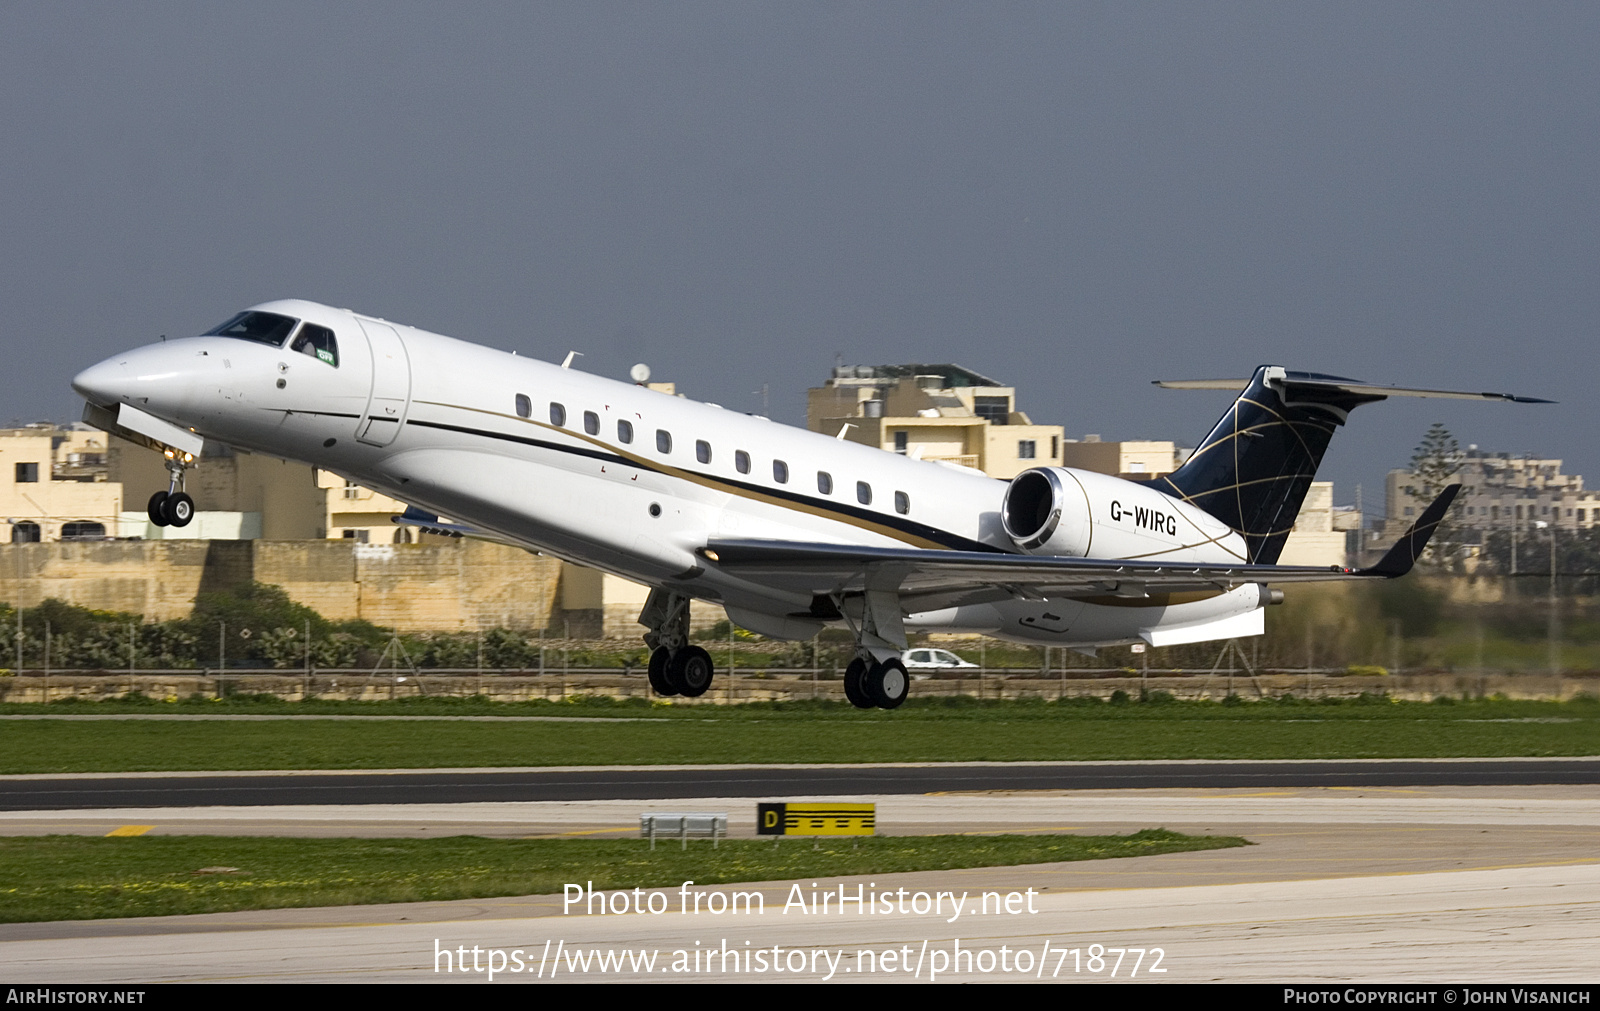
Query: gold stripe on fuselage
x: 713, y: 483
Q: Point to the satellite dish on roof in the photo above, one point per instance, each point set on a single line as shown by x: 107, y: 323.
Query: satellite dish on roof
x: 640, y: 373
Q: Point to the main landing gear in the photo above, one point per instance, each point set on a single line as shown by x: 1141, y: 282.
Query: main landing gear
x: 881, y: 684
x: 173, y: 508
x: 676, y: 668
x: 875, y: 678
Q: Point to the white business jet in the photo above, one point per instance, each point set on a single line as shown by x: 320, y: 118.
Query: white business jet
x: 789, y: 530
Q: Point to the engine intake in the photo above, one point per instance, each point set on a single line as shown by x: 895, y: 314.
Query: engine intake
x: 1032, y: 508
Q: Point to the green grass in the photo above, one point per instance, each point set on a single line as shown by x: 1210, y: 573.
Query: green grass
x: 78, y: 878
x: 800, y: 732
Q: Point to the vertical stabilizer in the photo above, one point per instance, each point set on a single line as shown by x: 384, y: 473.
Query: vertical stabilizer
x: 1253, y: 469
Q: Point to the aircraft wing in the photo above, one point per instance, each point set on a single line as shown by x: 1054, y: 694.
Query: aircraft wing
x: 928, y: 579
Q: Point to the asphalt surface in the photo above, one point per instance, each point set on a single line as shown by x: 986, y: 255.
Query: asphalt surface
x: 634, y: 783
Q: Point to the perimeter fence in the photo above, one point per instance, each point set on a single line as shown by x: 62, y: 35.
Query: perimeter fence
x: 601, y: 686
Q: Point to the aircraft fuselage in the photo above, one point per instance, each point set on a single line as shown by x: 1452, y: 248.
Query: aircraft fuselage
x: 636, y: 482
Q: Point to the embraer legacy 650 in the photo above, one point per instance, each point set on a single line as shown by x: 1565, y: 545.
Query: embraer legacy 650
x: 791, y: 531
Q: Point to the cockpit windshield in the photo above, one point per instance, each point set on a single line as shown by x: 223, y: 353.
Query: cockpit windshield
x: 261, y: 327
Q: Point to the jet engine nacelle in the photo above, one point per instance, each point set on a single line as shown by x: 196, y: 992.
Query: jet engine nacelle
x: 1065, y: 511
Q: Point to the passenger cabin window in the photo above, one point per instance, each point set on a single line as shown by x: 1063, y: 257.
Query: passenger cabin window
x: 702, y: 451
x: 591, y: 422
x: 824, y: 482
x: 624, y: 431
x: 863, y: 493
x: 261, y: 327
x: 558, y: 415
x: 524, y: 406
x: 902, y: 503
x: 780, y: 472
x: 663, y: 441
x: 317, y: 342
x: 741, y: 461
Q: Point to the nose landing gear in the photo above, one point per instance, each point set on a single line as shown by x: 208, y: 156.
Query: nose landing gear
x: 173, y: 508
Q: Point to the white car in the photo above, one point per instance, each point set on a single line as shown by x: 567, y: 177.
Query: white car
x: 918, y: 661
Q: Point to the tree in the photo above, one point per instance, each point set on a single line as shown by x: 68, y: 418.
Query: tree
x: 1434, y: 466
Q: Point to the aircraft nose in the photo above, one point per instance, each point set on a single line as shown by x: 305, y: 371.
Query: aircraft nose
x: 105, y: 384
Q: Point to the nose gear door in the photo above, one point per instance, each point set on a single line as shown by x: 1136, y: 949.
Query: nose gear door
x: 390, y: 397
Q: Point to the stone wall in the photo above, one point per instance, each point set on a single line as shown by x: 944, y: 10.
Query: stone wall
x: 443, y: 585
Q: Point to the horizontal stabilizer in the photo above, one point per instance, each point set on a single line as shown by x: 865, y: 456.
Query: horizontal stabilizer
x: 1398, y: 560
x: 1316, y: 381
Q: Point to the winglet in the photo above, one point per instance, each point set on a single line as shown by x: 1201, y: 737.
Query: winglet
x: 1400, y: 558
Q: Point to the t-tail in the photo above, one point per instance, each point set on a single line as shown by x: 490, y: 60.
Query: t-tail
x: 1254, y: 468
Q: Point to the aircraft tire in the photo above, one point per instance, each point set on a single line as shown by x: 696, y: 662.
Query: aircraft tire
x: 854, y: 690
x: 157, y: 502
x: 690, y: 671
x: 659, y: 683
x: 887, y: 684
x: 178, y: 509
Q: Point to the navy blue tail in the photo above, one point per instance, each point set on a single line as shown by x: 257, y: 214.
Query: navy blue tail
x: 1253, y: 470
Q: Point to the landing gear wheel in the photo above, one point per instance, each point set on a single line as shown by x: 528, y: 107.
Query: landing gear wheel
x: 690, y: 671
x: 659, y: 682
x: 887, y: 684
x: 854, y: 690
x: 178, y: 509
x: 158, y: 503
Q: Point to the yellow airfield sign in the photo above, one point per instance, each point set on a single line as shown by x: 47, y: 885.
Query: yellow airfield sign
x: 816, y: 819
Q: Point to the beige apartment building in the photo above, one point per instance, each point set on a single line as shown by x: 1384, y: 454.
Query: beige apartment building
x: 356, y: 513
x: 1501, y: 492
x: 933, y: 412
x: 1135, y: 459
x: 1321, y: 531
x: 54, y: 486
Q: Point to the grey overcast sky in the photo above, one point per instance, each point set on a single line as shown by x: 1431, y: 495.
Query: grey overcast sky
x: 1076, y: 198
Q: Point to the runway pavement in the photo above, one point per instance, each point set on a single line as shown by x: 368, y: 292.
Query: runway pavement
x: 44, y: 792
x: 1455, y: 883
x: 1522, y: 925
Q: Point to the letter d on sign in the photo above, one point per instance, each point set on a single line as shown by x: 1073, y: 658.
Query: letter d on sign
x: 770, y: 819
